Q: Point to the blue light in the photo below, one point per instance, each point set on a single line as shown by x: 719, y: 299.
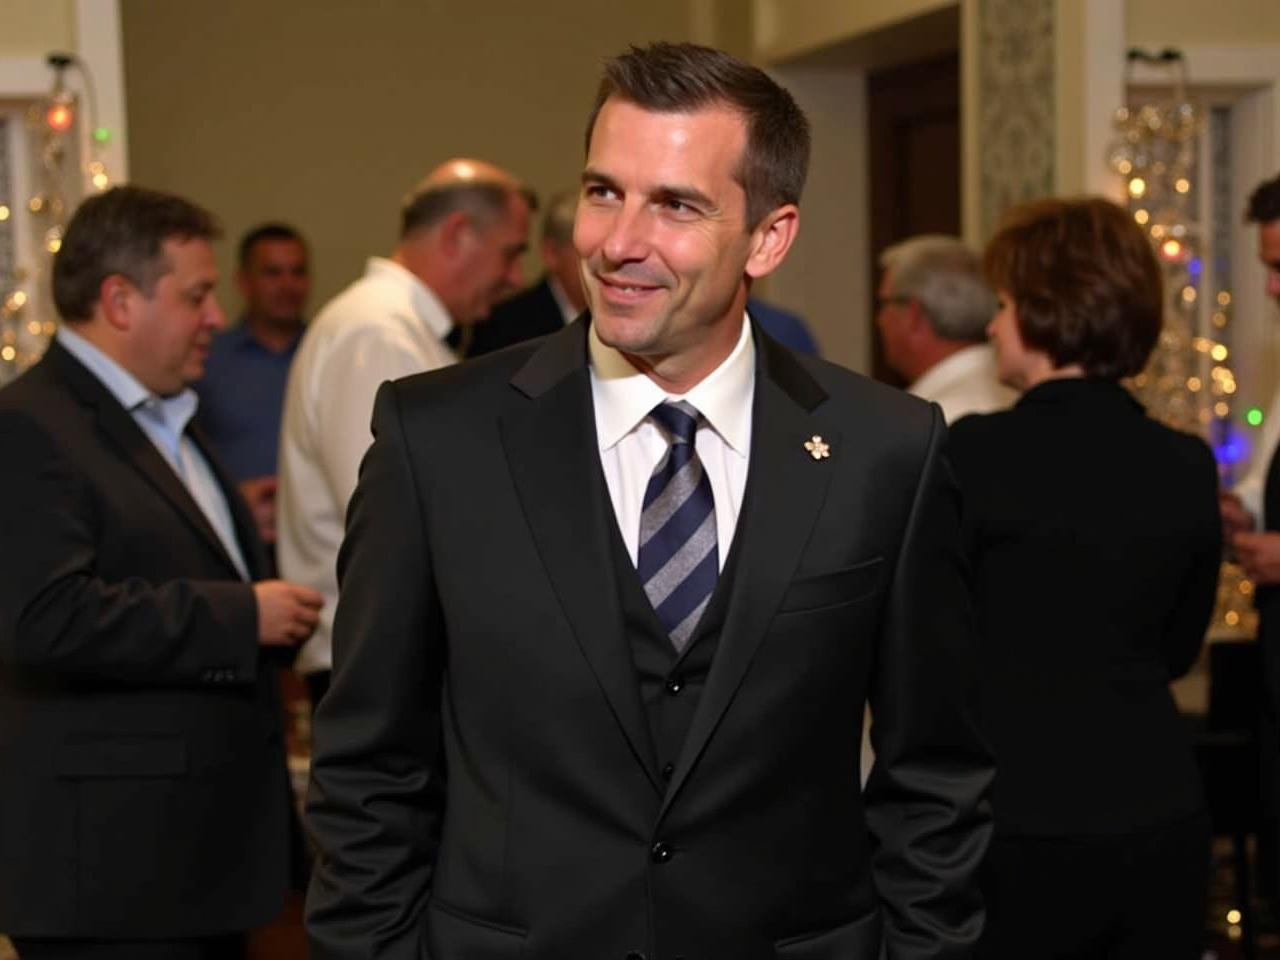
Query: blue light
x: 1195, y: 266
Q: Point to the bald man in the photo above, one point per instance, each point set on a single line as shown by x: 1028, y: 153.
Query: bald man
x: 463, y: 231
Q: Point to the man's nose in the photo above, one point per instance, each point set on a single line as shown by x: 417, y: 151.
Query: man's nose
x: 628, y: 236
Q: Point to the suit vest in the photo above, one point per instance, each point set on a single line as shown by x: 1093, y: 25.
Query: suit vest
x: 671, y: 684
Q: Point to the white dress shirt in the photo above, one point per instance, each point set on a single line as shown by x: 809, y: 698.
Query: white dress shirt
x: 386, y: 325
x: 164, y: 420
x: 631, y: 445
x: 964, y: 383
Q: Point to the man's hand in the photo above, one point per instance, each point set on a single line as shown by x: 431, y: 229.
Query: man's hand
x: 1235, y: 518
x: 1259, y: 554
x: 260, y: 494
x: 287, y: 613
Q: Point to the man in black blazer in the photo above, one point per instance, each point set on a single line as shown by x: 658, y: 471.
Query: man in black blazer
x: 613, y: 602
x: 145, y: 806
x: 549, y: 304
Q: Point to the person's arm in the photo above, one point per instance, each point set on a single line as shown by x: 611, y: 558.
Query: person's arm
x: 377, y: 774
x: 1197, y: 595
x: 59, y: 615
x: 348, y: 384
x: 927, y: 796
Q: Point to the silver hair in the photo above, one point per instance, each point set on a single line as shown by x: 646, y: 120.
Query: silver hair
x: 557, y: 224
x: 945, y: 276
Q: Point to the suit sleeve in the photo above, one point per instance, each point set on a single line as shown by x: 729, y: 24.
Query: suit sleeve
x: 59, y: 615
x: 927, y: 798
x: 1193, y: 605
x: 377, y: 781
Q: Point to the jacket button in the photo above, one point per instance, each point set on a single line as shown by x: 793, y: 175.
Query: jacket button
x: 660, y: 853
x: 674, y: 685
x: 668, y: 770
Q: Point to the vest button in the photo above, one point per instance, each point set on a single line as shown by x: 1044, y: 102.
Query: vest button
x: 668, y: 770
x: 660, y: 853
x: 674, y: 685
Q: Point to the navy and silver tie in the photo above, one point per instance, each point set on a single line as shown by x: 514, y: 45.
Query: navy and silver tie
x: 678, y: 561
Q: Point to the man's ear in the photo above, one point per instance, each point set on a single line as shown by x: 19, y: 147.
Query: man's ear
x: 454, y: 233
x: 771, y: 239
x: 116, y: 298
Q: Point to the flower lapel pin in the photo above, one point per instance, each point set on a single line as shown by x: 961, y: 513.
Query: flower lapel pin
x: 818, y: 448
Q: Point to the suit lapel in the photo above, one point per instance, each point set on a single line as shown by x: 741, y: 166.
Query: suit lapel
x: 550, y: 442
x: 246, y: 529
x: 136, y: 447
x: 786, y: 488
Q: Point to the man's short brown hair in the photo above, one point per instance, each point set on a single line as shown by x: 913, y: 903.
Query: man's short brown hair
x: 1084, y: 280
x: 683, y: 77
x: 123, y: 232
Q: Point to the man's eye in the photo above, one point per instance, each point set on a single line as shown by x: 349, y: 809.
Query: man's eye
x: 596, y: 191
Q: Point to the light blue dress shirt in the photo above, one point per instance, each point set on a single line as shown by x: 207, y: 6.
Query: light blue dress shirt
x: 164, y: 420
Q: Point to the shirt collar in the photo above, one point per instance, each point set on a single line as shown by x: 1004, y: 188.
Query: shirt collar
x: 965, y: 364
x: 567, y: 310
x: 426, y: 305
x: 624, y: 396
x: 173, y: 412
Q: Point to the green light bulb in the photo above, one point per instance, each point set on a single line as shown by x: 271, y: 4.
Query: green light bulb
x: 1254, y: 417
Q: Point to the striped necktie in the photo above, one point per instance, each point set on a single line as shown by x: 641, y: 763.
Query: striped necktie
x: 678, y: 560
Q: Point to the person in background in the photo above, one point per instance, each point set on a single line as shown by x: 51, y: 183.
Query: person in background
x: 145, y: 809
x: 463, y: 232
x: 1094, y: 544
x: 933, y: 316
x: 242, y: 390
x: 555, y: 300
x: 788, y: 328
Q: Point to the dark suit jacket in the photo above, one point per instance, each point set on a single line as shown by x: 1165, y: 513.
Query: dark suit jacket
x: 1095, y: 545
x: 530, y: 313
x: 484, y: 783
x: 143, y: 789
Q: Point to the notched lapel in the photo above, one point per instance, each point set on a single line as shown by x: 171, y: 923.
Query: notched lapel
x: 786, y: 489
x: 550, y: 443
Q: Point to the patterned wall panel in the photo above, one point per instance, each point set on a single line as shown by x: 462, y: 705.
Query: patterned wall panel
x: 1015, y: 104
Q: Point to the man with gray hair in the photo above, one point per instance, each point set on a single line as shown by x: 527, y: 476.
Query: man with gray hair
x: 549, y: 304
x: 934, y: 311
x: 463, y: 231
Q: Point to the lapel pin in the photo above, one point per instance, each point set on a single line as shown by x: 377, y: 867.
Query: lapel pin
x: 818, y: 448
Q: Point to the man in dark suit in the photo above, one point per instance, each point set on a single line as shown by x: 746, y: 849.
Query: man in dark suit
x: 612, y: 604
x: 144, y: 811
x: 549, y: 304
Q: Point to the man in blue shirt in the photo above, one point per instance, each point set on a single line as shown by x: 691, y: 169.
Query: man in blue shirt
x: 242, y: 393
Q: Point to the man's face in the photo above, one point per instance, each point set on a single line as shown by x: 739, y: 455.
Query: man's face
x: 489, y: 267
x: 276, y: 282
x: 1269, y: 254
x: 661, y: 228
x: 893, y: 318
x: 168, y: 333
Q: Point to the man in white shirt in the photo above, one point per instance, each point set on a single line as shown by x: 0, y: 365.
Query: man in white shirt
x: 463, y: 232
x: 934, y: 311
x: 612, y: 602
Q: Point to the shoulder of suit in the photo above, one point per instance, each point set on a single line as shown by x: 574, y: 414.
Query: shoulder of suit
x: 485, y: 375
x: 844, y: 386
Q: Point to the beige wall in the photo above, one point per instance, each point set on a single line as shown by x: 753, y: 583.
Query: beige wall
x: 30, y: 28
x: 324, y: 113
x: 1174, y: 22
x: 788, y: 28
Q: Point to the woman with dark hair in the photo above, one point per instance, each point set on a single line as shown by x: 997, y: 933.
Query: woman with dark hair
x: 1094, y: 541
